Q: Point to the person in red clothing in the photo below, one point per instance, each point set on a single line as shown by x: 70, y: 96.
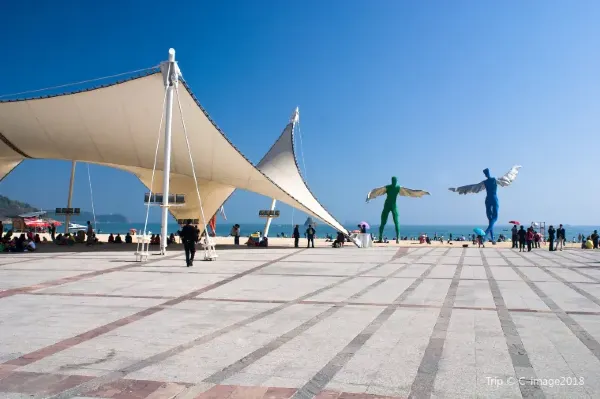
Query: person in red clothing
x: 537, y: 238
x: 530, y: 236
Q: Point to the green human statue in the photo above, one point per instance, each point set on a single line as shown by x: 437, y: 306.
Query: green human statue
x: 392, y: 191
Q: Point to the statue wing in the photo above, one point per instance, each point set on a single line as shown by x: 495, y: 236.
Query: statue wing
x: 508, y: 178
x: 376, y: 192
x: 470, y: 189
x: 408, y: 192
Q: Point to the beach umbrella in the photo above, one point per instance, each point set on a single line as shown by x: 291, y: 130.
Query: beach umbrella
x: 515, y: 222
x: 479, y: 231
x: 363, y: 223
x: 36, y: 223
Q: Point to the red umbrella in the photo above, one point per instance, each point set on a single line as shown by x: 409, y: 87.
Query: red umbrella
x: 36, y: 223
x: 514, y: 222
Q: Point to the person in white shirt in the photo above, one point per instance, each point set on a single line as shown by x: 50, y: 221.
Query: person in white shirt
x: 30, y: 246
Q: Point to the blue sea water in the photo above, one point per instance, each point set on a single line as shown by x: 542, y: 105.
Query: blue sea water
x: 223, y: 229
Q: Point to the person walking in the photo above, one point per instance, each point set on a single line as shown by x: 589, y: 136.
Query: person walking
x: 296, y: 235
x: 189, y: 236
x: 551, y: 235
x: 522, y: 236
x: 52, y: 232
x: 530, y: 237
x: 561, y: 235
x: 515, y: 236
x: 480, y: 241
x: 310, y: 235
x: 89, y: 234
x: 235, y: 232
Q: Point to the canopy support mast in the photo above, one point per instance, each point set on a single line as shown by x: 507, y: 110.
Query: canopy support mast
x: 170, y: 72
x: 70, y: 199
x: 269, y: 219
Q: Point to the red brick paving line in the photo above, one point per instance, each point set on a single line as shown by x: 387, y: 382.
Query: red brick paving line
x: 39, y: 383
x: 81, y: 294
x: 51, y: 384
x: 65, y: 280
x: 93, y: 333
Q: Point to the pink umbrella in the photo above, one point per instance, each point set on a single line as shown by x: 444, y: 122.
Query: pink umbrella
x: 363, y: 223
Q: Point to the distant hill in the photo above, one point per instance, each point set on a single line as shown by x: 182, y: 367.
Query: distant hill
x: 9, y: 208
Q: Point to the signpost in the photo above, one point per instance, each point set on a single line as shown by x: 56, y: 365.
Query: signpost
x: 183, y: 222
x: 68, y: 211
x: 158, y: 199
x: 268, y: 214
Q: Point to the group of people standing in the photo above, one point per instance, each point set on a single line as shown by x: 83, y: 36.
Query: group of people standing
x: 560, y: 235
x: 530, y: 238
x: 309, y: 233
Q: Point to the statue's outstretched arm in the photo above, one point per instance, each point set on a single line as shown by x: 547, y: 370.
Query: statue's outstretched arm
x: 409, y: 192
x: 376, y: 192
x: 470, y: 189
x: 508, y: 178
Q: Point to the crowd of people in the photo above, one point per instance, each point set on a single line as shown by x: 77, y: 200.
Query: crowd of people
x: 25, y: 242
x: 112, y: 239
x: 29, y: 240
x: 589, y: 242
x: 257, y: 239
x: 530, y: 239
x: 525, y: 239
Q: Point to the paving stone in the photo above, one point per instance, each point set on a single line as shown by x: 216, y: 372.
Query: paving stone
x: 282, y: 323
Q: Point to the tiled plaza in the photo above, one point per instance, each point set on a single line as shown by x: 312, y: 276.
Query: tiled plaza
x: 302, y: 323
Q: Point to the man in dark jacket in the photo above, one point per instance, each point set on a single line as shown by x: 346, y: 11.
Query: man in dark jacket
x: 551, y: 236
x: 52, y: 232
x: 522, y: 237
x: 515, y: 237
x: 296, y: 236
x: 310, y: 234
x: 189, y: 235
x: 561, y: 235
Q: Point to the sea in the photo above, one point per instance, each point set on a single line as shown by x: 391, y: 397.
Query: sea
x: 322, y: 230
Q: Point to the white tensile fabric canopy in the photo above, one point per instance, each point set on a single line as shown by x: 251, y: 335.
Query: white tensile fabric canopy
x: 118, y: 125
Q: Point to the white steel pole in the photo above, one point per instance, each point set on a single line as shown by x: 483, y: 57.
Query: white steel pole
x: 268, y: 224
x: 170, y: 74
x: 70, y: 199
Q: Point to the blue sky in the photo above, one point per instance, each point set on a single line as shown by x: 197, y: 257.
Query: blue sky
x: 432, y: 92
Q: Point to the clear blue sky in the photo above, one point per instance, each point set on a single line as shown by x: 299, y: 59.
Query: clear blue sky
x: 432, y: 92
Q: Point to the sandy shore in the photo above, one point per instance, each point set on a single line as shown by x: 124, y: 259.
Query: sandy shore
x: 320, y: 242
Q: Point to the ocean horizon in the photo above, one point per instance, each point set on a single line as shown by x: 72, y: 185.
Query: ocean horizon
x: 223, y: 229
